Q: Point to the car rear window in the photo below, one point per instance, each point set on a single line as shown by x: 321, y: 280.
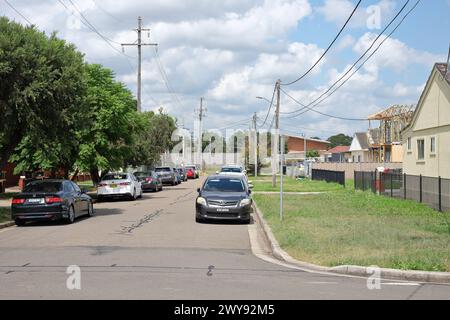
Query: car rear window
x: 142, y: 174
x: 43, y: 186
x: 165, y: 169
x: 237, y: 170
x: 224, y: 185
x: 118, y: 176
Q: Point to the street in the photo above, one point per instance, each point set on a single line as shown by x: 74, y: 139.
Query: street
x: 153, y: 249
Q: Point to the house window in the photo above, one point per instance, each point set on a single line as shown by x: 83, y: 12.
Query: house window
x: 433, y: 145
x: 359, y: 158
x: 409, y: 144
x: 420, y: 149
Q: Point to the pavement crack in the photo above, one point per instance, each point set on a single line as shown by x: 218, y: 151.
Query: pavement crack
x: 146, y: 219
x: 415, y: 291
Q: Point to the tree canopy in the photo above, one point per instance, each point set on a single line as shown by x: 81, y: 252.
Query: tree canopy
x: 340, y: 140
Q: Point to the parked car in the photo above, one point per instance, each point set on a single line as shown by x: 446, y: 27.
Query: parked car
x: 226, y: 197
x: 190, y: 173
x: 195, y: 169
x: 177, y: 176
x: 167, y: 175
x: 183, y: 173
x: 119, y: 185
x: 234, y: 170
x: 150, y: 180
x: 51, y: 199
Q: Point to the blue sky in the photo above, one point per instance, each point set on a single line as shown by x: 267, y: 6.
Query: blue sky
x: 232, y: 51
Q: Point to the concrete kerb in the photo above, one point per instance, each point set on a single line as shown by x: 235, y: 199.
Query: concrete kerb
x: 393, y: 274
x: 6, y: 224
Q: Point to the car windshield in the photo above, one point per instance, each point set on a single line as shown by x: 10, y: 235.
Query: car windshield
x: 165, y: 169
x: 116, y: 176
x: 43, y: 186
x: 224, y: 185
x: 142, y: 174
x: 228, y: 169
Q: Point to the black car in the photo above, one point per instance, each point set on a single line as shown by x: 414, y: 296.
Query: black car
x: 225, y: 198
x: 149, y: 181
x: 50, y: 200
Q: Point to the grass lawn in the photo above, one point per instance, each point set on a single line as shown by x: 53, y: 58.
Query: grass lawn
x: 5, y: 214
x: 264, y: 183
x: 360, y: 228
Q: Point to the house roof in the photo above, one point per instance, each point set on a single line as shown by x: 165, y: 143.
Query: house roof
x: 307, y: 139
x: 362, y: 139
x: 441, y: 68
x: 339, y: 149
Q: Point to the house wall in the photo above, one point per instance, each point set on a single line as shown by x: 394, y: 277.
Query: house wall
x: 397, y: 153
x: 363, y: 153
x: 297, y: 145
x: 432, y: 120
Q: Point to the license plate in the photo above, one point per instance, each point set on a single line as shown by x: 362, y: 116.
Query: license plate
x: 113, y: 186
x: 36, y: 201
x: 223, y: 210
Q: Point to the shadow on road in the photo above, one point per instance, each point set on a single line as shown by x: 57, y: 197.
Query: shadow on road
x: 226, y: 222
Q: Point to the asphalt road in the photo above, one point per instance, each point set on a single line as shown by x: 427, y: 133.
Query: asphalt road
x: 152, y: 248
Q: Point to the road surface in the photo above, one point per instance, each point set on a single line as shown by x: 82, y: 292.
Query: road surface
x: 152, y: 248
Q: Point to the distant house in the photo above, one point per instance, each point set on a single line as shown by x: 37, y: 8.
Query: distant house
x: 296, y: 146
x: 7, y: 176
x: 338, y: 154
x: 359, y: 149
x: 426, y: 141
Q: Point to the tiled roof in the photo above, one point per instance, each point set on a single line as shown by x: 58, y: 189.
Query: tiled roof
x: 442, y: 68
x: 362, y: 138
x: 339, y: 149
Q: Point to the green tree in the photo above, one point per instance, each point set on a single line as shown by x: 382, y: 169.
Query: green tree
x: 42, y: 84
x: 340, y: 140
x: 153, y: 139
x: 111, y: 122
x: 312, y: 154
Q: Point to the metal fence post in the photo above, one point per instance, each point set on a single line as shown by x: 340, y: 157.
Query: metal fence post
x: 363, y: 181
x: 404, y: 186
x: 354, y: 179
x: 392, y: 187
x: 420, y: 188
x: 440, y: 194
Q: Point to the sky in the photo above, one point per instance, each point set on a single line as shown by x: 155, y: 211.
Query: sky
x: 232, y: 51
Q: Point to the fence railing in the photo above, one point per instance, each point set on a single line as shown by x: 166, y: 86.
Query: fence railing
x: 432, y: 191
x: 329, y: 176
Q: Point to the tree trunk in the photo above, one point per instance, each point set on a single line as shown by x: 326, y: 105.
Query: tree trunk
x: 75, y: 175
x: 95, y: 176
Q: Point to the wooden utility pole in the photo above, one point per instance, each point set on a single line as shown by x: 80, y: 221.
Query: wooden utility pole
x: 255, y: 144
x: 139, y: 45
x: 277, y: 137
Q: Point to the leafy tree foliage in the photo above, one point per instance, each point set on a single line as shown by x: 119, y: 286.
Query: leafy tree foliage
x: 41, y: 88
x: 340, y: 140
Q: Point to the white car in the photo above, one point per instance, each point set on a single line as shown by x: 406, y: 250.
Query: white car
x: 119, y: 185
x: 234, y: 170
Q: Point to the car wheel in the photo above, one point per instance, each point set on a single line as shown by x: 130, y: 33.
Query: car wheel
x: 19, y: 222
x: 140, y: 195
x: 174, y: 183
x: 134, y: 196
x: 246, y: 221
x: 71, y: 217
x: 161, y: 188
x: 90, y: 209
x: 199, y: 220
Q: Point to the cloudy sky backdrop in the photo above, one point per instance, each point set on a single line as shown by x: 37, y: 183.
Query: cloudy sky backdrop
x: 231, y: 51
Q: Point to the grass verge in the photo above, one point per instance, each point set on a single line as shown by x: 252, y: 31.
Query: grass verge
x: 5, y: 214
x: 264, y: 184
x: 360, y: 228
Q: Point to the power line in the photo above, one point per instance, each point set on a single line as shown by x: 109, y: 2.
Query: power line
x: 109, y: 14
x: 270, y: 105
x: 18, y: 12
x: 322, y: 113
x: 363, y: 63
x: 354, y: 64
x: 329, y: 47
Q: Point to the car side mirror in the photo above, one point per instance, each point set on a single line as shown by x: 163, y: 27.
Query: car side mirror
x: 198, y: 190
x: 84, y: 191
x: 249, y: 191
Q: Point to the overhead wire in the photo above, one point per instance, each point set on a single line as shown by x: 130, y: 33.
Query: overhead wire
x: 328, y: 49
x: 18, y: 12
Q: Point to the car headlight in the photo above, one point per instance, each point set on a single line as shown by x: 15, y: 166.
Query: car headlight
x: 245, y: 202
x: 201, y: 201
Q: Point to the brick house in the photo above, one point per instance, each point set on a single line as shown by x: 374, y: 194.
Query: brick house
x: 296, y: 146
x: 7, y: 176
